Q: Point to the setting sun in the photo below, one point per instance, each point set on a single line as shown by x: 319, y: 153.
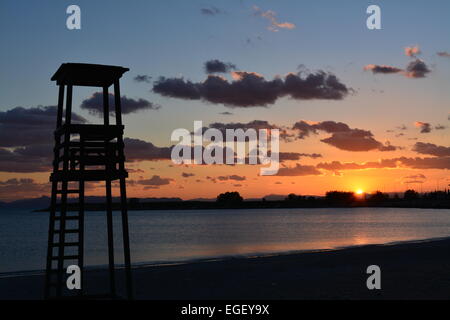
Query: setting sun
x: 359, y: 192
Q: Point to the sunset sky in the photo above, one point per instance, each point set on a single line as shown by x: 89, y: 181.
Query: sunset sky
x: 364, y: 109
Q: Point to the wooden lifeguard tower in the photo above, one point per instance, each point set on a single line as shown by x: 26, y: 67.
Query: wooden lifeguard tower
x: 84, y: 152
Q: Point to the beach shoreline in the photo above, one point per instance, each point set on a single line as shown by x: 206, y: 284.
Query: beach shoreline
x: 409, y: 270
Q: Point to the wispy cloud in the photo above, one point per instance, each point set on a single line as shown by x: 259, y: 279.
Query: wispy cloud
x: 94, y: 104
x: 424, y: 127
x: 271, y: 17
x: 444, y: 54
x: 211, y: 11
x: 412, y: 51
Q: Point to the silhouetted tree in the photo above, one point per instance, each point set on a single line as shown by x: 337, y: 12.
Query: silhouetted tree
x: 411, y: 195
x: 293, y: 197
x: 230, y: 197
x: 340, y: 197
x: 378, y: 196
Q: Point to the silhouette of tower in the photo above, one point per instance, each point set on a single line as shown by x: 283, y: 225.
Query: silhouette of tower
x: 84, y: 152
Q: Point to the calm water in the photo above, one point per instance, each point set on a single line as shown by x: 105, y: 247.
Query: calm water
x: 165, y: 236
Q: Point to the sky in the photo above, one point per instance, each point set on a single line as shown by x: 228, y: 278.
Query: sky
x: 364, y: 109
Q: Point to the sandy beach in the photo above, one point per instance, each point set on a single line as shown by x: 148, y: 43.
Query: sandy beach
x: 419, y: 270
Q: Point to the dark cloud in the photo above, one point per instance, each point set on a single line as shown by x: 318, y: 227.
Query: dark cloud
x: 444, y: 54
x: 26, y: 138
x: 24, y: 127
x: 416, y: 177
x: 293, y: 156
x: 253, y: 90
x: 12, y: 189
x: 412, y: 163
x: 431, y: 149
x: 424, y: 127
x: 226, y: 113
x: 142, y: 78
x: 210, y: 11
x: 440, y: 127
x: 155, y: 181
x: 299, y: 170
x: 382, y: 69
x: 413, y: 181
x: 36, y: 158
x: 94, y: 104
x: 187, y: 175
x: 254, y: 124
x: 342, y: 136
x: 217, y: 66
x: 139, y: 150
x: 231, y: 177
x: 417, y: 69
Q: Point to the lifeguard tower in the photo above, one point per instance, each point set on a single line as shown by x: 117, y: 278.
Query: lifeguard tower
x: 84, y: 152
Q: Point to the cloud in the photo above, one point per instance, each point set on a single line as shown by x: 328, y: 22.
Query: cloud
x: 140, y: 150
x: 412, y: 51
x: 299, y: 170
x: 155, y: 181
x: 24, y: 127
x: 413, y: 181
x: 231, y: 177
x: 342, y: 136
x: 142, y: 78
x: 22, y: 188
x: 417, y: 69
x: 444, y: 54
x: 431, y: 149
x: 382, y: 69
x: 424, y: 127
x: 293, y: 156
x: 440, y: 127
x: 94, y: 104
x: 187, y: 175
x: 249, y: 89
x: 254, y: 124
x: 26, y: 138
x: 275, y: 26
x: 217, y: 66
x: 36, y: 158
x: 211, y: 11
x: 226, y: 113
x: 416, y: 177
x: 412, y: 163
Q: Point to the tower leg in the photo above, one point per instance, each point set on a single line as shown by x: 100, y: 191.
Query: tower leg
x: 51, y: 235
x: 126, y: 238
x: 112, y: 279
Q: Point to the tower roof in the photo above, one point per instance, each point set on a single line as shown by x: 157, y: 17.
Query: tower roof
x: 92, y: 75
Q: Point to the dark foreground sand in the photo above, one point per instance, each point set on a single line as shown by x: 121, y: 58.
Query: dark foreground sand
x: 409, y: 271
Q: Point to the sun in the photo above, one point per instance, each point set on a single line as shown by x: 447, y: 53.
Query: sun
x: 359, y: 191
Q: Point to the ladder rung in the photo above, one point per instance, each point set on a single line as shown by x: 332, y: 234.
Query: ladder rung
x: 68, y: 231
x: 74, y: 257
x: 67, y: 244
x: 69, y: 218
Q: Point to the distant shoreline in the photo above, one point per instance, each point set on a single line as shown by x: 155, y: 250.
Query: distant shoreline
x: 211, y: 205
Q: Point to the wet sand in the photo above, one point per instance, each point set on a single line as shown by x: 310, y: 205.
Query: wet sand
x: 408, y: 271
